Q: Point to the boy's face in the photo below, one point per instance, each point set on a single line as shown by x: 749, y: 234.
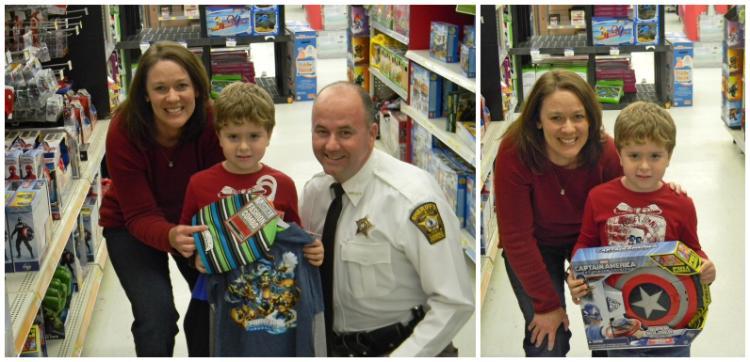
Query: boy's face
x: 244, y: 146
x: 643, y: 165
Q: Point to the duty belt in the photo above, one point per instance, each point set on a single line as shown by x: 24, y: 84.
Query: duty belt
x: 378, y: 342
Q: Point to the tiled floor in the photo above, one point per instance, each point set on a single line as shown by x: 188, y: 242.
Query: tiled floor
x: 712, y: 170
x: 291, y: 152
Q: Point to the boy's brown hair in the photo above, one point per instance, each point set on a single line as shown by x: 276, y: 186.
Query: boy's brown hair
x: 244, y: 102
x: 640, y: 122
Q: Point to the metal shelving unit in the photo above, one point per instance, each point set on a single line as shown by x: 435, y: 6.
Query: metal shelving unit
x: 528, y: 49
x: 436, y: 127
x: 449, y: 71
x: 197, y: 36
x: 26, y: 290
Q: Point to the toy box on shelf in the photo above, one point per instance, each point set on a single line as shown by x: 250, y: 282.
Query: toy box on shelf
x: 265, y: 20
x: 646, y: 25
x: 682, y: 65
x: 425, y: 92
x: 612, y: 31
x: 229, y: 20
x: 28, y: 214
x: 644, y: 295
x: 444, y: 41
x: 303, y: 53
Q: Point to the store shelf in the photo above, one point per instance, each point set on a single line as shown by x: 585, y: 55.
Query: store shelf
x: 192, y: 36
x: 81, y: 310
x: 644, y: 92
x: 177, y: 18
x: 436, y: 127
x: 489, y: 260
x: 567, y: 26
x: 490, y: 145
x: 468, y: 242
x: 401, y: 38
x: 558, y: 44
x: 450, y: 71
x: 738, y: 135
x: 392, y: 85
x: 26, y: 289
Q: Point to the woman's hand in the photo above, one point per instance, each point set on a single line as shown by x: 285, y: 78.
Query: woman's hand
x: 314, y: 252
x: 545, y: 325
x: 708, y: 272
x: 677, y: 188
x: 578, y: 288
x: 181, y: 238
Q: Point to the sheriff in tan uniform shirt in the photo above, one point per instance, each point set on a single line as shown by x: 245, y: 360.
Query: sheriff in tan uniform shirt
x: 385, y: 263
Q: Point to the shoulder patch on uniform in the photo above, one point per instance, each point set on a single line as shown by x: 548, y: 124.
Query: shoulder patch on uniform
x: 427, y: 218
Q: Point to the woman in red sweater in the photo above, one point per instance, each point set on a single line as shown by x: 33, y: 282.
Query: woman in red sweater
x: 549, y: 159
x: 159, y: 137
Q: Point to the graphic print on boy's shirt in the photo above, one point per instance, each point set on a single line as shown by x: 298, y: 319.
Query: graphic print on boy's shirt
x: 637, y: 225
x: 265, y: 185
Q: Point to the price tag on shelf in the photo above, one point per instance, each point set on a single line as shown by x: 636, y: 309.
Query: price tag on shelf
x: 144, y: 46
x: 183, y: 43
x: 535, y: 55
x: 26, y: 54
x: 8, y: 57
x: 568, y: 52
x: 231, y: 42
x: 614, y: 51
x: 55, y: 22
x: 174, y: 18
x: 62, y: 75
x: 77, y: 30
x: 70, y: 65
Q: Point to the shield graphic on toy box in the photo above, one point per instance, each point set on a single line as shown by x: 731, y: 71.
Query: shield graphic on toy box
x: 657, y: 297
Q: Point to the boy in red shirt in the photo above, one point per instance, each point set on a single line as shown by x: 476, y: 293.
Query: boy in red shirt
x: 244, y: 123
x: 639, y: 207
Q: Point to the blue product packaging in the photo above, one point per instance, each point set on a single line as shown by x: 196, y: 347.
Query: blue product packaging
x: 612, y: 31
x: 228, y: 20
x: 426, y: 91
x: 304, y: 55
x: 444, y: 41
x: 265, y: 20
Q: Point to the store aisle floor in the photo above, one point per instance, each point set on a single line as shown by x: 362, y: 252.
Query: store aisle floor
x: 291, y: 152
x: 712, y: 170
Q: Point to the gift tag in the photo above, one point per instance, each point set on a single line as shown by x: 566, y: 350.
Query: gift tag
x: 251, y: 218
x: 231, y: 42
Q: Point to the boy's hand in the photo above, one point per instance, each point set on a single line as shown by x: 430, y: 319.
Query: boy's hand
x: 708, y: 272
x: 199, y: 265
x: 578, y: 288
x: 181, y: 238
x: 314, y: 253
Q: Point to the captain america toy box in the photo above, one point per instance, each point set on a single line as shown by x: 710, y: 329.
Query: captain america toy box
x: 642, y: 296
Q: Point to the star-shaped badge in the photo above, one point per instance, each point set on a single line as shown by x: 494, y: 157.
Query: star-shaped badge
x: 364, y: 226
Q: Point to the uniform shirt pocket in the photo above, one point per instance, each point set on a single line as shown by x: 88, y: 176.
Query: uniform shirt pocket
x: 368, y: 267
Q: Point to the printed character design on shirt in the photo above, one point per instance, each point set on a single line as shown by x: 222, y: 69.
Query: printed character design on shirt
x: 265, y: 296
x: 637, y: 225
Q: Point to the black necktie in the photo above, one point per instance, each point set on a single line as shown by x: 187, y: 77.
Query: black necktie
x: 329, y: 238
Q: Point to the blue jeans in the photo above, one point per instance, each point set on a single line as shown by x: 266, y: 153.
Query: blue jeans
x: 651, y: 352
x: 554, y: 259
x: 144, y: 275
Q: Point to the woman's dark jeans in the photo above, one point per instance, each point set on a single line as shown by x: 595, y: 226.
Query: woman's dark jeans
x: 554, y: 259
x: 144, y: 275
